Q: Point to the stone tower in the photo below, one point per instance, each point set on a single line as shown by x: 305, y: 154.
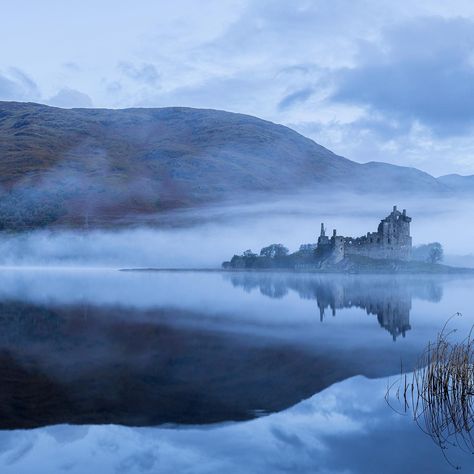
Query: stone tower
x: 330, y: 250
x: 337, y: 247
x: 323, y: 239
x: 392, y: 241
x: 394, y: 234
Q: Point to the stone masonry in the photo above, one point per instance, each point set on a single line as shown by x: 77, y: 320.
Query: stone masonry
x: 391, y: 241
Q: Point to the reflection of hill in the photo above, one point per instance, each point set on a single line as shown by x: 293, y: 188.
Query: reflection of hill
x: 103, y: 364
x: 388, y: 298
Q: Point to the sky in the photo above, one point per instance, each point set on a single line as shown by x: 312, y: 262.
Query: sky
x: 371, y: 80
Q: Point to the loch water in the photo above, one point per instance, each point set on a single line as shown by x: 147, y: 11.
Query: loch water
x: 205, y: 371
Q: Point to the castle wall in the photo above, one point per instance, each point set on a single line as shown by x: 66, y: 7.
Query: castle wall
x: 392, y: 241
x: 338, y: 250
x: 380, y: 251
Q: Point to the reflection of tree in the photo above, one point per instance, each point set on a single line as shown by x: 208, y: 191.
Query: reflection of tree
x: 274, y: 290
x: 435, y: 293
x: 388, y: 298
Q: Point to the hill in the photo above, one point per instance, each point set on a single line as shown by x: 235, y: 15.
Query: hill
x: 97, y: 167
x: 458, y: 183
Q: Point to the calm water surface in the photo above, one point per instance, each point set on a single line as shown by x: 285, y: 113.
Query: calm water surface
x: 107, y: 371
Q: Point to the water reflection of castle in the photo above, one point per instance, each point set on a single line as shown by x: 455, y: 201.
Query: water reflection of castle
x: 388, y: 298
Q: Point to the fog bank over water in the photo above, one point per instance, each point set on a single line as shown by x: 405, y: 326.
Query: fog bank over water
x: 207, y: 236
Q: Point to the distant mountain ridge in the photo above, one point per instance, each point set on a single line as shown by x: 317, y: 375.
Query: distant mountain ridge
x: 94, y: 166
x: 458, y: 183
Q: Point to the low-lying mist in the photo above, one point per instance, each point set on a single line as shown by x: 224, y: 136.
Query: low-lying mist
x: 205, y: 237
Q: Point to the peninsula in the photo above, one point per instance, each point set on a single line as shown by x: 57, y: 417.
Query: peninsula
x: 388, y: 249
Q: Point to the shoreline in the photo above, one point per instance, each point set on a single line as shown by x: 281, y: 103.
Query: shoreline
x: 441, y: 271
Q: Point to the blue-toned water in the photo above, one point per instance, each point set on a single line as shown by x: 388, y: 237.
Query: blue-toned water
x: 108, y: 371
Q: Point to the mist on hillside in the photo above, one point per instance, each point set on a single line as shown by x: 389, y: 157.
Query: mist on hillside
x: 205, y: 237
x: 96, y: 168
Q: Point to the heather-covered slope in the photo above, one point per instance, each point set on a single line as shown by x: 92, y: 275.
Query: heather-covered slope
x: 98, y: 166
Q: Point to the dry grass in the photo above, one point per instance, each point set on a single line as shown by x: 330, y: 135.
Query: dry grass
x: 439, y: 393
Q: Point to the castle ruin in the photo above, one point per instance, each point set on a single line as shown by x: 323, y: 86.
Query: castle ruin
x: 391, y: 241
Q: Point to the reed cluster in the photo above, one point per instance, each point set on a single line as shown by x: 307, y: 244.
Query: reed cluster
x: 439, y: 393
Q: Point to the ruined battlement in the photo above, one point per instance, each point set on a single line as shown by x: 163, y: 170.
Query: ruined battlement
x: 391, y: 241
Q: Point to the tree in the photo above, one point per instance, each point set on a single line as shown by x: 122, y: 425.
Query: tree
x: 432, y: 253
x: 274, y: 250
x: 249, y: 253
x: 435, y: 253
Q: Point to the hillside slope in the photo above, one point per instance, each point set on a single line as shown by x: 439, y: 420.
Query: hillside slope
x: 76, y: 166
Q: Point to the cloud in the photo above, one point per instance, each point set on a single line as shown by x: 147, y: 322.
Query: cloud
x: 69, y: 98
x: 71, y: 66
x: 421, y: 71
x: 145, y: 73
x: 17, y: 85
x: 295, y: 97
x: 142, y: 461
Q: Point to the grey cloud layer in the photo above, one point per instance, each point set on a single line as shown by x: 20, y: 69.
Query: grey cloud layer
x: 423, y: 70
